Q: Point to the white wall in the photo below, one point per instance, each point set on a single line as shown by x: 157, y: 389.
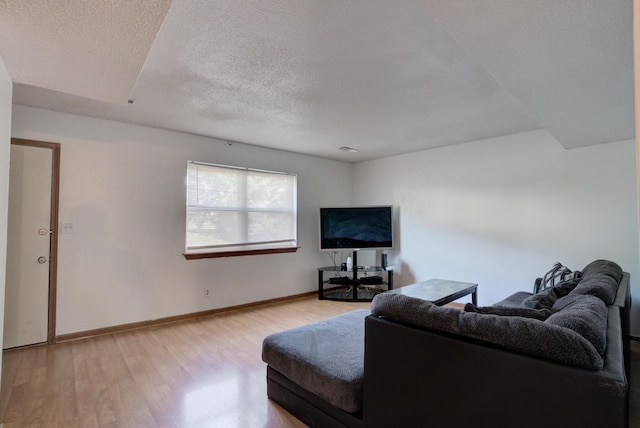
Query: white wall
x: 500, y: 212
x: 6, y: 90
x: 123, y: 186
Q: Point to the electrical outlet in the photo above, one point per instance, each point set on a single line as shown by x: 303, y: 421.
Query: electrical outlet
x: 69, y: 228
x: 207, y: 292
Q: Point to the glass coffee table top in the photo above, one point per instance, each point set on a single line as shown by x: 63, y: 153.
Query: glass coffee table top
x: 439, y: 291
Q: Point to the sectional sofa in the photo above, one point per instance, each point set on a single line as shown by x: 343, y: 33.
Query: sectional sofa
x: 558, y: 358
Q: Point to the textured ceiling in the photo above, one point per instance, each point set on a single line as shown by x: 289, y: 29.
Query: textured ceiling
x: 86, y: 48
x: 309, y: 76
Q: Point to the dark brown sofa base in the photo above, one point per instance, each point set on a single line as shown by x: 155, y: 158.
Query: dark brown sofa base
x: 415, y: 376
x: 308, y: 407
x: 467, y: 384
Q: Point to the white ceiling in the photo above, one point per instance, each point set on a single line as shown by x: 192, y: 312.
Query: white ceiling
x: 309, y: 76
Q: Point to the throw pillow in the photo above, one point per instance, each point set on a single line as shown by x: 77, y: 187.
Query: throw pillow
x: 584, y: 314
x: 606, y: 267
x: 600, y: 285
x: 565, y: 287
x: 539, y: 314
x: 542, y: 300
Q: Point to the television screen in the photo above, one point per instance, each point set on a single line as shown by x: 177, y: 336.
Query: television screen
x: 352, y: 228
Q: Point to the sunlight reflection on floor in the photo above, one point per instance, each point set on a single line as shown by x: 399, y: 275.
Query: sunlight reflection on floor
x: 234, y: 399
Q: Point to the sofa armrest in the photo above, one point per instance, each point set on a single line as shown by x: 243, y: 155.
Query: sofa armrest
x: 623, y: 294
x: 623, y: 302
x: 415, y: 374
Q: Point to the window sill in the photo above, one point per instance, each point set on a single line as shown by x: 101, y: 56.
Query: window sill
x: 236, y: 253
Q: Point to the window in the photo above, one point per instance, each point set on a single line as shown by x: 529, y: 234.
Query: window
x: 238, y: 211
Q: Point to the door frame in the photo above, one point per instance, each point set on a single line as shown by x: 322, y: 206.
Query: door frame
x: 53, y: 242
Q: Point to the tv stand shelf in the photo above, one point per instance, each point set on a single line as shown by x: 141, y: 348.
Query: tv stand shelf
x: 353, y: 290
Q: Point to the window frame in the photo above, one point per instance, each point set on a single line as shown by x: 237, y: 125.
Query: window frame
x: 241, y: 249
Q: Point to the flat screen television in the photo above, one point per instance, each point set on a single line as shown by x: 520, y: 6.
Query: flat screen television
x: 355, y: 228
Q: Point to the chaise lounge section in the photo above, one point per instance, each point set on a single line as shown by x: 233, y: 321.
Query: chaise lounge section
x: 555, y: 358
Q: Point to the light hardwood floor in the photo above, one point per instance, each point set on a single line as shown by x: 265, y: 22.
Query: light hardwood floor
x: 206, y: 372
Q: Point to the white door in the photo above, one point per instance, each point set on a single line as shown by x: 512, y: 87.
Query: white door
x: 26, y: 309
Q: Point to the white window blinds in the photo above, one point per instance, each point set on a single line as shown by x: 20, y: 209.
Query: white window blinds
x: 231, y: 209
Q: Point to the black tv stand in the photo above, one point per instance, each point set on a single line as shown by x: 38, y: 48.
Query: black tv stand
x: 351, y: 289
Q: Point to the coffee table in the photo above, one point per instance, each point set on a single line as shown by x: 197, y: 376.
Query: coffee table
x: 439, y: 291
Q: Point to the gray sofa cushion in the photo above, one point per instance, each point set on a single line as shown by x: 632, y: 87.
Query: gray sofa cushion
x: 584, y: 314
x: 542, y: 300
x: 601, y: 285
x: 539, y: 314
x: 605, y: 267
x: 565, y: 287
x: 325, y: 358
x: 526, y: 335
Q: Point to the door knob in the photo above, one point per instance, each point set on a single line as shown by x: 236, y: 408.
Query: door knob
x: 42, y: 259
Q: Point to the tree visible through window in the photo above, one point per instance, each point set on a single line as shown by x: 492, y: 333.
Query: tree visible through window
x: 232, y: 209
